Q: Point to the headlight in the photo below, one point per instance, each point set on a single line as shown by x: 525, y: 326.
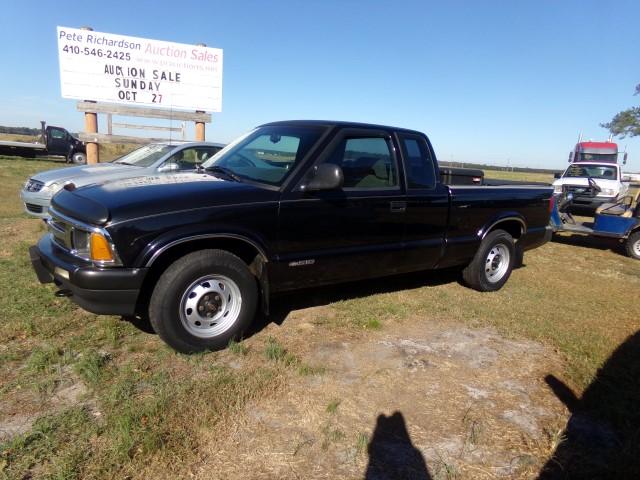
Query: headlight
x: 81, y: 242
x: 557, y: 189
x: 54, y: 187
x: 93, y: 246
x: 607, y: 192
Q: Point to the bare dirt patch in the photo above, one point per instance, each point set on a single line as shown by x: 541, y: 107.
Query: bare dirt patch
x: 418, y: 398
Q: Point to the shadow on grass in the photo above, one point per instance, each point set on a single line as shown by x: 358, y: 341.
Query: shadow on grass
x: 602, y: 436
x: 392, y: 454
x: 598, y: 243
x: 283, y: 304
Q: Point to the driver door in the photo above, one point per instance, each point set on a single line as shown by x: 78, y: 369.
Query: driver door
x: 351, y: 233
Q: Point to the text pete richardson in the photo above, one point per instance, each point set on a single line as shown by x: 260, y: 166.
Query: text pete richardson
x: 199, y: 54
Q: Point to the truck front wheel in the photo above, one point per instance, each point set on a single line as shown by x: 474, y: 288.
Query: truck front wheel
x: 79, y: 158
x: 492, y: 265
x: 203, y: 300
x: 632, y: 245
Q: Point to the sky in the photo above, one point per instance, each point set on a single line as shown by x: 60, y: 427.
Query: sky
x: 498, y: 82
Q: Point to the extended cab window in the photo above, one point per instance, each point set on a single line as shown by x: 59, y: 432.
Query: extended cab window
x: 418, y: 162
x: 366, y: 162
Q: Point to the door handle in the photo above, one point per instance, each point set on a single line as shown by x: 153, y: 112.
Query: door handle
x: 398, y: 207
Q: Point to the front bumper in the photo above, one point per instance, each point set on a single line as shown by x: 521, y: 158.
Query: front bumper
x: 35, y: 204
x: 588, y: 204
x: 106, y: 291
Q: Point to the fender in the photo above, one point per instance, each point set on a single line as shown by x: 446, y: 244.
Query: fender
x: 170, y: 239
x: 504, y: 216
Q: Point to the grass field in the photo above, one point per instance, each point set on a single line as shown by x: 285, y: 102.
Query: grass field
x: 86, y: 396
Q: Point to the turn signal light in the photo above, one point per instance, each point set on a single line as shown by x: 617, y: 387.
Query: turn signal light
x: 100, y: 248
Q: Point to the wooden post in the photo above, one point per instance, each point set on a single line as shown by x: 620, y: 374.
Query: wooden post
x: 91, y: 126
x: 200, y: 131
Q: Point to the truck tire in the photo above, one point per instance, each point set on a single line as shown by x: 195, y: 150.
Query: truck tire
x: 632, y: 245
x: 79, y: 158
x: 492, y: 264
x: 203, y: 300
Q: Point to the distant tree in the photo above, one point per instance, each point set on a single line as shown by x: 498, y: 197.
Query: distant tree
x: 627, y: 122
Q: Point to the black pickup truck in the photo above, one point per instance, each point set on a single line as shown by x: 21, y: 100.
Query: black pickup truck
x: 289, y: 205
x: 54, y: 141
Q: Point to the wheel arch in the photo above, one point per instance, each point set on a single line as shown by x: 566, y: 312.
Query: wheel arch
x: 249, y: 251
x: 514, y: 225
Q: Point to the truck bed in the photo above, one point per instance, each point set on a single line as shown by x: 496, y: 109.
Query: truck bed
x: 20, y: 145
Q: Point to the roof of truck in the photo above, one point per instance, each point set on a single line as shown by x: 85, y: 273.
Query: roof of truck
x: 596, y: 147
x: 337, y: 123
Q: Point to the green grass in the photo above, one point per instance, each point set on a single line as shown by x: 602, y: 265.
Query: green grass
x: 333, y: 406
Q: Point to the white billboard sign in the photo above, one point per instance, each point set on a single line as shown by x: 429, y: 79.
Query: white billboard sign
x: 137, y: 71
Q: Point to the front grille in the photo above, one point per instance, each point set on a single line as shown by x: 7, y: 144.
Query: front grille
x: 577, y: 189
x: 33, y: 185
x: 61, y: 231
x: 34, y: 208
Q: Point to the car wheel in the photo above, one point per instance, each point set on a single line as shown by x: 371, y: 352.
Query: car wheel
x: 632, y: 245
x: 203, y: 300
x: 492, y: 264
x: 79, y: 158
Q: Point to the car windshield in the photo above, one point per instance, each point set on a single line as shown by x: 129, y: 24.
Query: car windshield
x: 605, y: 172
x: 145, y: 156
x: 267, y: 154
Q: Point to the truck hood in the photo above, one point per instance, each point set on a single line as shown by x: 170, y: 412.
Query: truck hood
x: 584, y: 182
x: 127, y: 199
x: 86, y: 174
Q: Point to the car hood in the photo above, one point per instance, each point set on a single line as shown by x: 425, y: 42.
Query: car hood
x: 583, y: 182
x: 86, y: 174
x: 128, y: 199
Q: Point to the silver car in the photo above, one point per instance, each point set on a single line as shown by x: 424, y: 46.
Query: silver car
x: 148, y: 160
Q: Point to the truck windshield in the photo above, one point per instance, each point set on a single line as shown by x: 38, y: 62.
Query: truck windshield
x: 145, y: 156
x: 598, y: 157
x: 267, y: 154
x: 605, y: 172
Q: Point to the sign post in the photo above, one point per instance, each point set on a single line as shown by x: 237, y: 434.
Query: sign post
x: 91, y: 126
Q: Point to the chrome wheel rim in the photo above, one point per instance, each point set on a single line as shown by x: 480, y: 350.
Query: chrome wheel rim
x: 496, y: 264
x: 636, y: 248
x: 210, y: 306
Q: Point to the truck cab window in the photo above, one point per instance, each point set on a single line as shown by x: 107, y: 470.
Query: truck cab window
x: 418, y: 162
x: 57, y: 134
x: 367, y: 163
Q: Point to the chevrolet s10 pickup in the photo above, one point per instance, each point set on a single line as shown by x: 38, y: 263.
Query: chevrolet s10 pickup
x: 288, y: 205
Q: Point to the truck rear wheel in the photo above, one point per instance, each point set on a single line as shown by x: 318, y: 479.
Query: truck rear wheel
x: 203, y: 300
x: 632, y: 245
x: 492, y: 265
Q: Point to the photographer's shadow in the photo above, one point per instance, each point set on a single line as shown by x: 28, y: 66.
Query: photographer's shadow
x: 602, y: 437
x: 392, y: 455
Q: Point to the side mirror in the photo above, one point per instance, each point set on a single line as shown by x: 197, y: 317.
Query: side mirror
x: 570, y: 157
x: 557, y: 175
x: 168, y: 167
x: 325, y: 177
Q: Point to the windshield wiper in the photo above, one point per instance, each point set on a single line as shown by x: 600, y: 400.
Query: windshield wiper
x: 224, y: 171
